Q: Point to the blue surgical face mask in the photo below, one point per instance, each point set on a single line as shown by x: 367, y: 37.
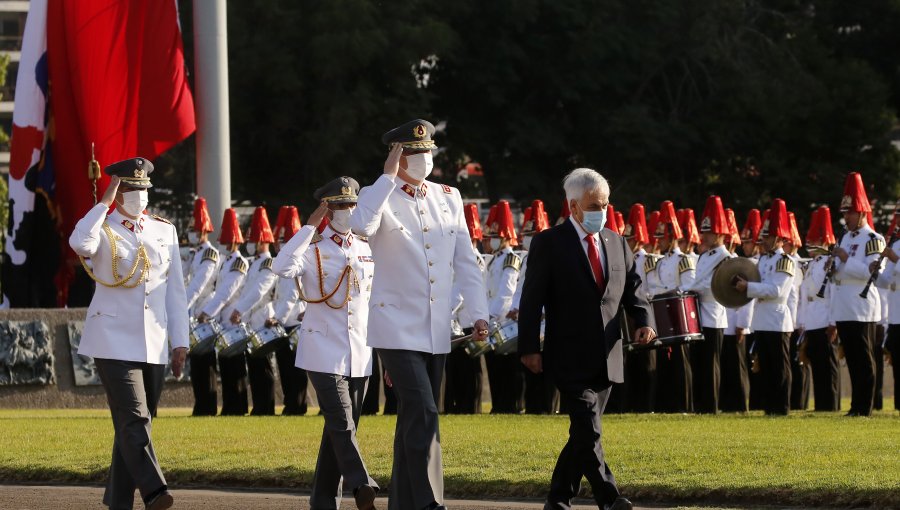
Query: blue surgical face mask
x: 593, y: 221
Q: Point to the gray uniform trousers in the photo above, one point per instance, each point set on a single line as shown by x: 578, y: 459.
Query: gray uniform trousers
x: 132, y: 391
x: 340, y: 399
x: 417, y: 478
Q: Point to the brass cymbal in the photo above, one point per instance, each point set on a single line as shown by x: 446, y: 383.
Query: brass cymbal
x: 723, y: 281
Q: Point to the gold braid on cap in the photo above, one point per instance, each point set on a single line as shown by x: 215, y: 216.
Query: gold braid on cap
x: 348, y: 273
x: 141, y: 258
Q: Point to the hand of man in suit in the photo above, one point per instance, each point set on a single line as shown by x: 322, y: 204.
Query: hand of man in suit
x: 534, y: 362
x: 644, y: 335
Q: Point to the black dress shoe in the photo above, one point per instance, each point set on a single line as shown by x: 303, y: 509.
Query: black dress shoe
x: 851, y: 414
x: 365, y: 497
x: 621, y: 503
x: 161, y: 501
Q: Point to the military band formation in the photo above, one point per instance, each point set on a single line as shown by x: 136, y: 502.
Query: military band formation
x: 401, y: 284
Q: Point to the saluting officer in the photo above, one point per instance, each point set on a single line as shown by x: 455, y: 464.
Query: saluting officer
x: 336, y: 270
x: 674, y: 270
x: 232, y: 274
x: 135, y: 308
x: 418, y: 233
x: 253, y: 306
x: 856, y: 317
x: 200, y: 287
x: 504, y: 371
x: 814, y: 312
x: 706, y: 355
x: 772, y: 321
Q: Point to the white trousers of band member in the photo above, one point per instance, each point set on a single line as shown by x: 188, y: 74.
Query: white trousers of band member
x: 132, y: 391
x: 417, y: 477
x: 340, y: 399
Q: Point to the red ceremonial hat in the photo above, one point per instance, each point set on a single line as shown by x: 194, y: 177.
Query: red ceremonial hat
x: 796, y: 240
x: 668, y: 217
x: 535, y: 218
x: 546, y: 223
x: 503, y: 225
x: 895, y: 223
x: 279, y: 221
x: 491, y: 219
x: 637, y: 225
x: 714, y: 218
x: 855, y: 198
x: 473, y: 221
x: 620, y: 222
x: 732, y: 227
x: 777, y: 223
x: 688, y: 225
x: 652, y: 223
x: 611, y: 220
x: 231, y: 230
x: 565, y: 212
x: 202, y: 222
x: 751, y: 228
x: 260, y: 230
x: 765, y: 221
x: 821, y: 233
x: 288, y: 223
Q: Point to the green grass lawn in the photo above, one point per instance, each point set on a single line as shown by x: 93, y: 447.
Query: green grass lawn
x: 805, y: 459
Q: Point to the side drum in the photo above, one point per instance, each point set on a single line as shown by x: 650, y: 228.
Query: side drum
x: 234, y: 340
x: 267, y: 341
x: 203, y: 337
x: 677, y: 321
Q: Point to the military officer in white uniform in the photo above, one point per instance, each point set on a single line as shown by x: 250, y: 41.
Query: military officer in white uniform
x: 706, y: 355
x: 419, y: 239
x: 856, y: 317
x: 336, y: 271
x: 200, y: 287
x: 232, y: 275
x: 254, y: 306
x: 136, y: 307
x: 772, y: 321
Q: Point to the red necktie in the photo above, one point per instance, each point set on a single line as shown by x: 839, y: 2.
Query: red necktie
x: 594, y: 257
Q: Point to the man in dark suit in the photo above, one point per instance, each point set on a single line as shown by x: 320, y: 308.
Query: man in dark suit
x: 575, y: 270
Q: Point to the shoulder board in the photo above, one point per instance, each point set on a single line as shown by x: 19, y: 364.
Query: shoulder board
x: 650, y: 264
x: 160, y: 218
x: 876, y: 245
x: 211, y: 254
x: 512, y: 260
x: 316, y: 238
x: 267, y: 264
x: 447, y: 189
x: 239, y: 265
x: 785, y: 265
x: 686, y: 264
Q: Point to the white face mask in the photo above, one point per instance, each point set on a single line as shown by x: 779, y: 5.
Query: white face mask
x: 340, y: 220
x: 134, y: 202
x: 495, y: 243
x: 526, y: 242
x: 418, y: 166
x: 251, y: 249
x: 193, y: 237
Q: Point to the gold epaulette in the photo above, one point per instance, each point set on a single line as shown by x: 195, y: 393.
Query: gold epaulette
x: 211, y: 254
x: 160, y: 218
x: 239, y: 265
x: 874, y: 246
x: 686, y: 264
x: 267, y: 264
x: 785, y: 265
x: 512, y: 260
x: 650, y: 263
x: 316, y: 238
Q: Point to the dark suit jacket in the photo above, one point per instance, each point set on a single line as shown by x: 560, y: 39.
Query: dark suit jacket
x: 583, y: 339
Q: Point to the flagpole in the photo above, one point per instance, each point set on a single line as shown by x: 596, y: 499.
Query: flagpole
x: 211, y: 99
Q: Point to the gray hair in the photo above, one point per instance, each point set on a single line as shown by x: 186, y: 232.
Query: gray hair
x: 582, y: 180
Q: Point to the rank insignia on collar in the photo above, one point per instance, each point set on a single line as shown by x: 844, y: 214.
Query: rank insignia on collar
x: 447, y: 189
x: 128, y: 224
x: 338, y: 240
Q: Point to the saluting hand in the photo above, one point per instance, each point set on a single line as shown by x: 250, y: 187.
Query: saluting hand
x: 315, y: 219
x: 392, y: 164
x: 109, y: 196
x: 178, y: 356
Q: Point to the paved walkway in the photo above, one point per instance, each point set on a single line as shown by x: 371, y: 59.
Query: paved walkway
x: 40, y: 497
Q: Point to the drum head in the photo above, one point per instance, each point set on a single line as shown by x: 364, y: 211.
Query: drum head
x: 722, y: 281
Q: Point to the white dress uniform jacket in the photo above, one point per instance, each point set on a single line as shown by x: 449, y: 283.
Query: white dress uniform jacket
x: 743, y: 316
x: 520, y: 283
x: 419, y: 239
x: 332, y: 341
x: 712, y: 314
x: 255, y: 297
x: 463, y: 314
x: 889, y: 279
x: 814, y: 311
x: 503, y: 276
x: 204, y: 264
x: 286, y: 304
x: 232, y: 274
x: 675, y: 270
x: 771, y: 312
x: 132, y: 324
x: 850, y: 277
